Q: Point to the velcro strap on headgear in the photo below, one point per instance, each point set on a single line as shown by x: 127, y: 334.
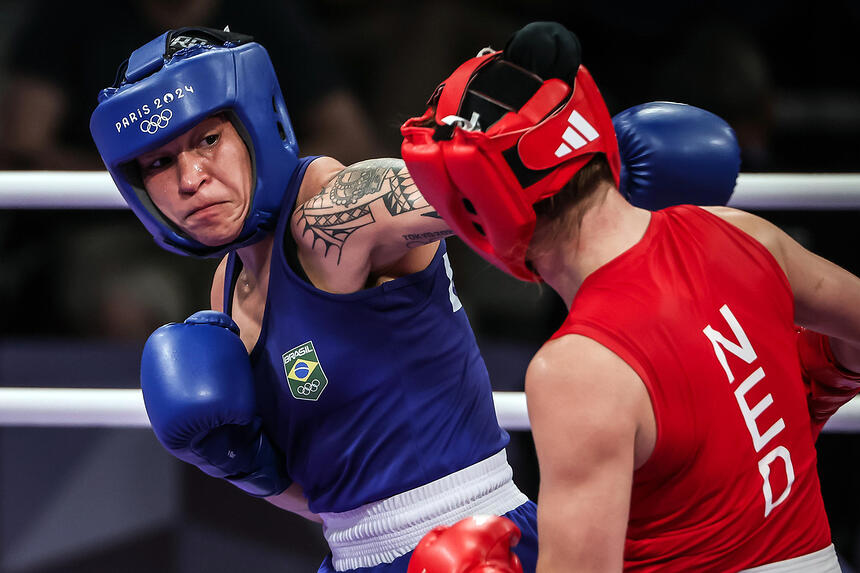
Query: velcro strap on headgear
x: 150, y: 57
x: 573, y: 129
x: 450, y: 97
x: 483, y: 157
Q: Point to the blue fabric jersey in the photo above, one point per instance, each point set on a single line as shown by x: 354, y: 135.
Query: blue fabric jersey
x: 372, y: 393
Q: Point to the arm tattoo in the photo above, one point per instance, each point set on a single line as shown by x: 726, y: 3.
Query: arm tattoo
x: 417, y: 239
x: 403, y: 195
x: 333, y: 227
x: 343, y: 205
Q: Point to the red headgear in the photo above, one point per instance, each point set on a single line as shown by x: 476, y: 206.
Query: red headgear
x: 485, y: 183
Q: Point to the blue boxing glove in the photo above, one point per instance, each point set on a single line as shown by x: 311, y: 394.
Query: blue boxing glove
x: 198, y: 388
x: 674, y: 154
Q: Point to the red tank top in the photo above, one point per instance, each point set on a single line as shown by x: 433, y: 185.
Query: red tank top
x: 705, y: 316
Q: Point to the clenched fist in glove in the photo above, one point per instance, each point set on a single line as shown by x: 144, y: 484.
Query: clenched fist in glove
x: 198, y: 388
x: 477, y: 544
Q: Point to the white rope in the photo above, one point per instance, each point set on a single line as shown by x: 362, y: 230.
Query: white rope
x: 511, y: 410
x: 797, y: 191
x: 59, y: 190
x: 96, y: 190
x: 114, y: 407
x: 120, y: 408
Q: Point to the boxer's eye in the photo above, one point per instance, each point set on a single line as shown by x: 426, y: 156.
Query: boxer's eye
x: 210, y: 139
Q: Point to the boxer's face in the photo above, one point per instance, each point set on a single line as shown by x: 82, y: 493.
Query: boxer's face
x: 202, y: 181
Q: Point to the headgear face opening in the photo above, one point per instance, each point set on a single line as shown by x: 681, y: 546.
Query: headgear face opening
x: 174, y: 82
x: 497, y: 139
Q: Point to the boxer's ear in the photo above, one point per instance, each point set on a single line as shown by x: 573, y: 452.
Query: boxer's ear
x: 546, y: 48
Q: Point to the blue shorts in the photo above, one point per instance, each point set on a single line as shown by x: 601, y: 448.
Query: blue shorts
x: 525, y: 516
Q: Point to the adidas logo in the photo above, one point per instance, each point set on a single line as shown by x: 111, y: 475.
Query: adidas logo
x: 577, y: 134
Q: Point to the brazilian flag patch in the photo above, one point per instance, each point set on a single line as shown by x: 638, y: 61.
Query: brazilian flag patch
x: 305, y: 375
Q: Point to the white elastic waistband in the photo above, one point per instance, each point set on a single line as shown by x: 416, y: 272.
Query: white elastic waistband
x: 821, y: 561
x: 382, y: 531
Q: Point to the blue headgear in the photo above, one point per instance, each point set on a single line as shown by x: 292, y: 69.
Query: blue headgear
x: 172, y: 83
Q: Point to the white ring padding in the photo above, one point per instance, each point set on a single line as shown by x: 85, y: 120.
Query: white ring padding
x: 511, y: 410
x: 121, y: 408
x: 59, y: 190
x: 811, y: 191
x: 96, y: 190
x: 114, y: 407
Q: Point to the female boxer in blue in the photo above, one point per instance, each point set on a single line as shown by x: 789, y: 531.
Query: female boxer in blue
x: 364, y: 403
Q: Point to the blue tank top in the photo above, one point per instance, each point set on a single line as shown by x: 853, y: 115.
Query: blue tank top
x: 371, y: 393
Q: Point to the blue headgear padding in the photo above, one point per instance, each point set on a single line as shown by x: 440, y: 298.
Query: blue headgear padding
x: 172, y: 83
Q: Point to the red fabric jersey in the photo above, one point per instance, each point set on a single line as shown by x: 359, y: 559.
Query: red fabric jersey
x: 705, y: 316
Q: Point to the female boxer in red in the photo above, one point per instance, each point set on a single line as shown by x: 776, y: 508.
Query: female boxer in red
x: 669, y: 412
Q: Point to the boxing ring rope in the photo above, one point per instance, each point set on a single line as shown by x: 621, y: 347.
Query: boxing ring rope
x: 765, y: 191
x: 123, y: 408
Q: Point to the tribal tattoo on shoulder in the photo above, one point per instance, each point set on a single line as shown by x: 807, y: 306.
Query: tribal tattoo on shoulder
x: 344, y: 205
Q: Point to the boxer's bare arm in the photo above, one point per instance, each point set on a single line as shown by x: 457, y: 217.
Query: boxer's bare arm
x: 592, y: 425
x: 826, y: 296
x: 293, y: 499
x: 362, y: 222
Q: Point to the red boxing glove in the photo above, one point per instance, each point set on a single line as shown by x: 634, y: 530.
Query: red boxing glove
x: 477, y: 544
x: 828, y: 384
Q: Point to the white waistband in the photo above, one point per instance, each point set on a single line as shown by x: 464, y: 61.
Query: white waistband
x: 382, y: 531
x: 821, y: 561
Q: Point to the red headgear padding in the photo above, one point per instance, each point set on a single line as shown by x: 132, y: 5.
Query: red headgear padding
x: 485, y: 183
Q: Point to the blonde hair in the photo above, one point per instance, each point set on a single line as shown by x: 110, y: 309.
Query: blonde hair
x: 559, y: 216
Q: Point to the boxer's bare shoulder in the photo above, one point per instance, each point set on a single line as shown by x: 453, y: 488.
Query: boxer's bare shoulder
x: 586, y: 375
x: 355, y: 224
x: 825, y: 295
x: 318, y: 174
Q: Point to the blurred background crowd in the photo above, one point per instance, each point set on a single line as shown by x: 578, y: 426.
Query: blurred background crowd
x: 81, y: 290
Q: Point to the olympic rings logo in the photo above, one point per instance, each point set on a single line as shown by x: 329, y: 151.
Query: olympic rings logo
x: 156, y: 122
x: 308, y: 387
